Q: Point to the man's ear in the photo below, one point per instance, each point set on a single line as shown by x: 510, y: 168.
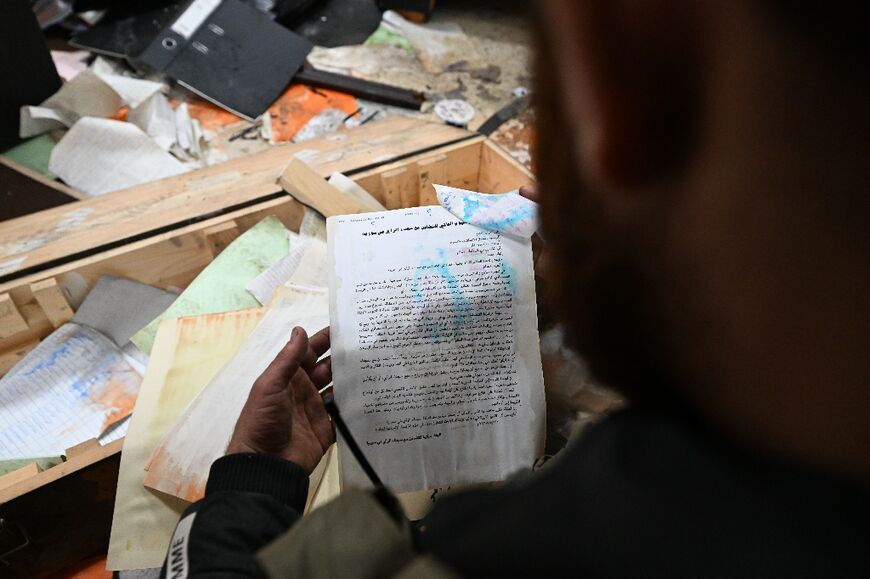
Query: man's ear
x: 629, y: 74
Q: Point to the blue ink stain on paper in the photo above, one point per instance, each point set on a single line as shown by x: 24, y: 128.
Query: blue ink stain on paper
x: 460, y: 305
x: 470, y: 206
x: 510, y: 274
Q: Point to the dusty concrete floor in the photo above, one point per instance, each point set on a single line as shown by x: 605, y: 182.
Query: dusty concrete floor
x: 503, y: 43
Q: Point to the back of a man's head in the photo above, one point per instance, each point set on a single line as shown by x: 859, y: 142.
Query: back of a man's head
x: 705, y: 176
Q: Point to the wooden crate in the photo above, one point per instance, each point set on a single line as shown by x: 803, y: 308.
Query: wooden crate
x: 164, y: 233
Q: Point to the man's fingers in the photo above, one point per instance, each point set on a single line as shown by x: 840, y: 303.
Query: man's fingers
x: 308, y: 400
x: 321, y: 374
x: 319, y: 342
x: 531, y: 193
x: 288, y: 360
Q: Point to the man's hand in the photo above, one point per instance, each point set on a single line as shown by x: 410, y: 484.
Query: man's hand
x: 284, y: 414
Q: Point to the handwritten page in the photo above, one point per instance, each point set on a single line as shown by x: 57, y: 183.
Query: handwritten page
x: 187, y: 353
x: 72, y: 387
x: 436, y: 362
x: 179, y: 465
x: 508, y: 213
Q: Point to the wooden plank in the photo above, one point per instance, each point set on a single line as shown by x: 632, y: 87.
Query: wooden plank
x: 308, y: 187
x: 37, y: 239
x: 50, y: 298
x: 499, y: 172
x: 11, y: 320
x: 9, y: 358
x: 401, y: 188
x: 54, y: 473
x: 82, y: 448
x: 218, y: 237
x: 429, y: 171
x: 18, y: 475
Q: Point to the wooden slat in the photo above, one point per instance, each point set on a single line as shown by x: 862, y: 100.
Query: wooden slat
x: 11, y: 320
x: 82, y: 448
x: 50, y: 298
x: 63, y: 469
x: 429, y: 171
x: 56, y: 233
x: 308, y: 187
x: 9, y: 358
x: 499, y: 172
x: 18, y: 475
x: 218, y: 237
x: 401, y: 188
x: 42, y: 179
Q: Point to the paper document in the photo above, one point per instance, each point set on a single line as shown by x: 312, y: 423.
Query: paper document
x: 306, y: 264
x: 187, y: 353
x: 72, y: 387
x: 313, y: 224
x: 98, y: 156
x: 508, y: 213
x: 179, y: 465
x: 435, y: 355
x: 220, y: 287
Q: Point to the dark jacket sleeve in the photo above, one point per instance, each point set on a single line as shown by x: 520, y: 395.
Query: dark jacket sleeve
x: 249, y: 500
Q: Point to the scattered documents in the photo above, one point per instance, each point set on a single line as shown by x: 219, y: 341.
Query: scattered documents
x: 86, y: 95
x: 220, y: 287
x: 157, y: 119
x: 98, y: 156
x: 180, y: 464
x: 305, y: 265
x: 509, y: 213
x: 72, y: 387
x: 436, y: 362
x: 187, y: 353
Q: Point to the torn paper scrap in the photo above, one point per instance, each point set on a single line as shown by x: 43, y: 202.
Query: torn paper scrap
x: 39, y: 120
x: 72, y: 387
x: 507, y: 213
x: 220, y: 287
x: 156, y: 118
x: 306, y: 265
x: 86, y: 95
x: 435, y: 355
x: 313, y: 224
x: 187, y: 353
x: 98, y: 156
x: 179, y: 465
